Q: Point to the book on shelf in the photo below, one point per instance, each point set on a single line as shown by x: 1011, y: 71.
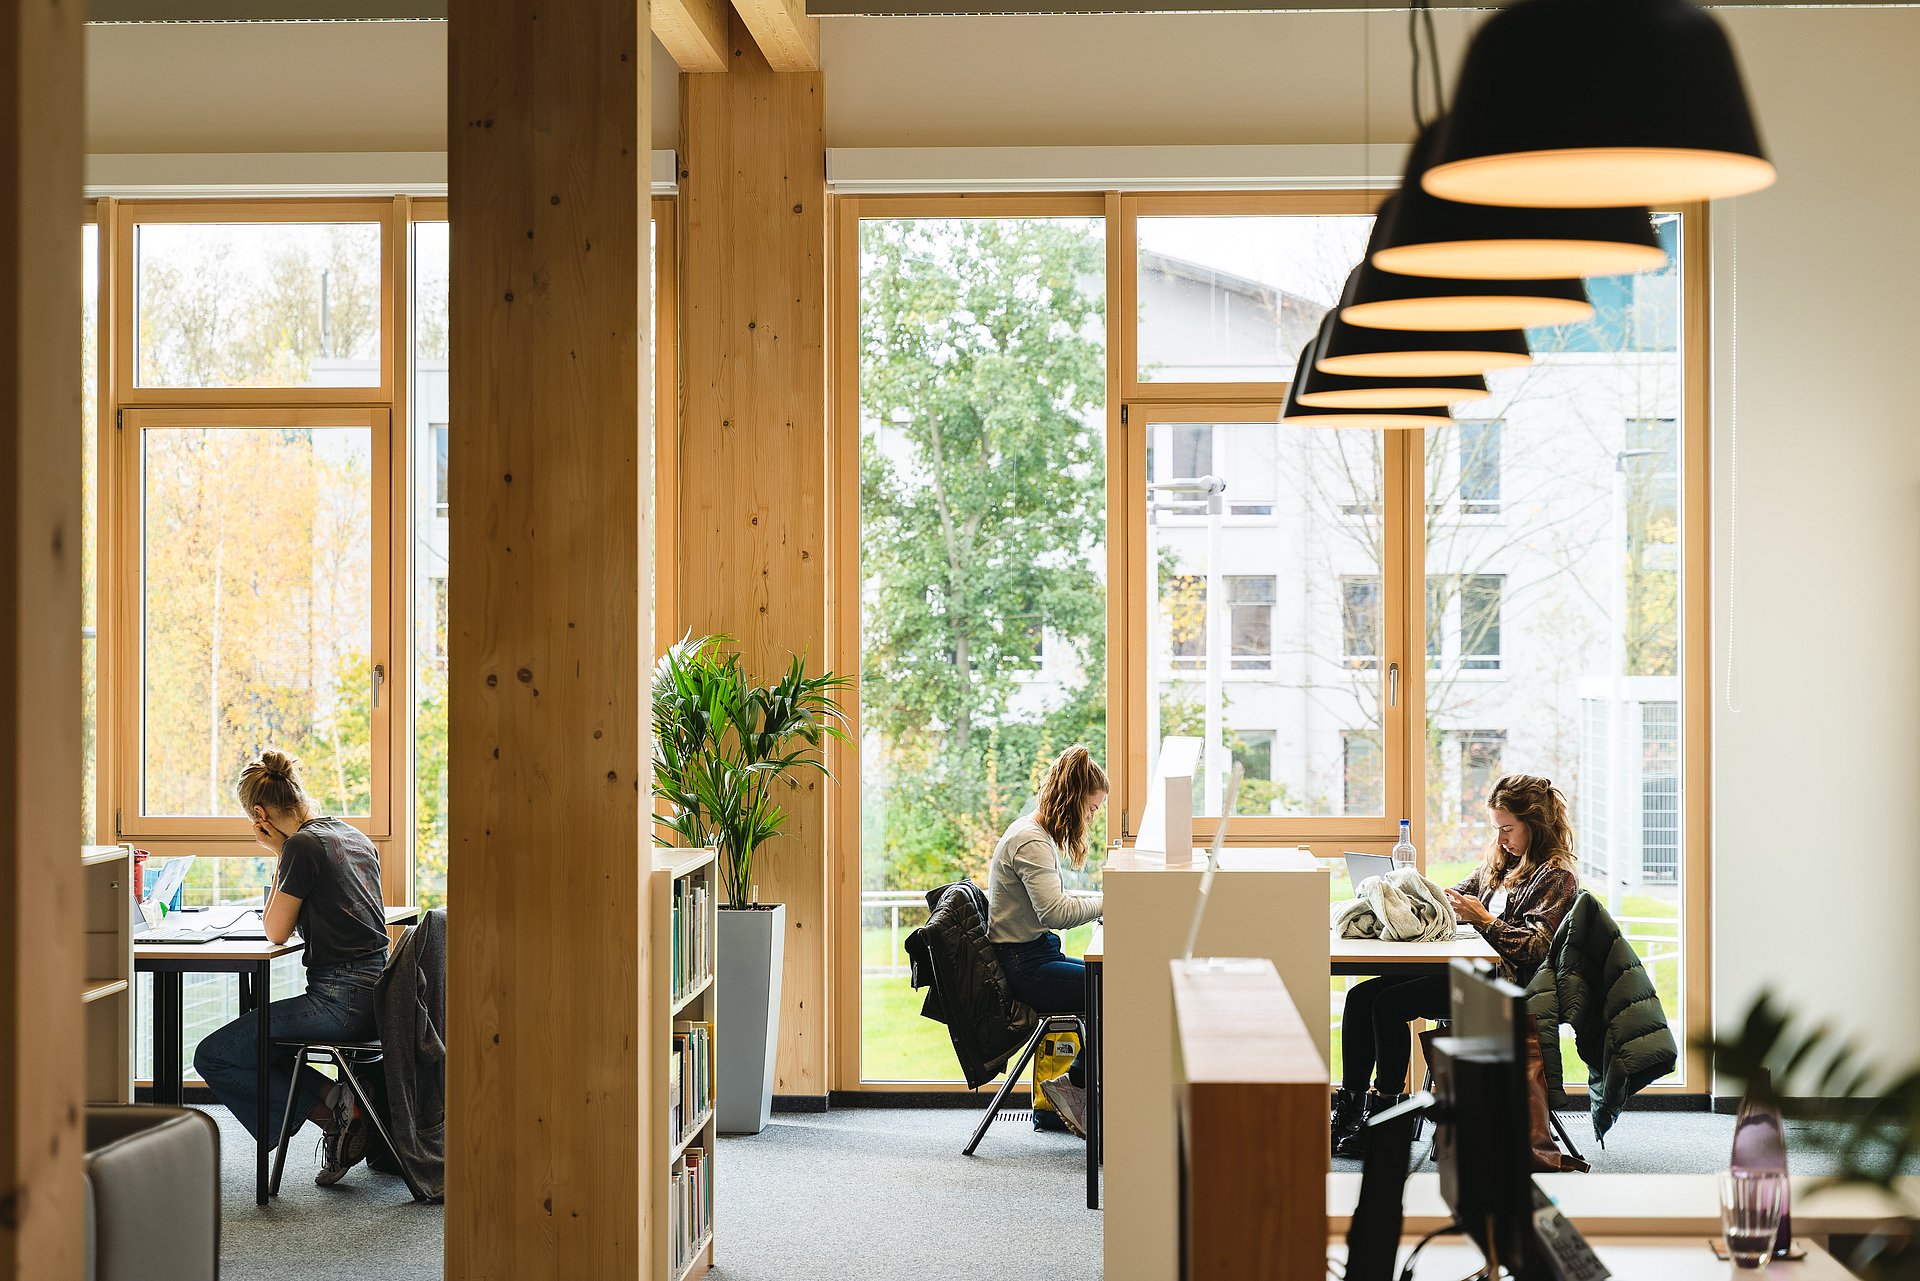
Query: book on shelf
x: 690, y: 1206
x: 690, y: 1073
x: 692, y: 939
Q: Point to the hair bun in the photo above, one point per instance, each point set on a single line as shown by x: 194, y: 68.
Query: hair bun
x: 277, y: 765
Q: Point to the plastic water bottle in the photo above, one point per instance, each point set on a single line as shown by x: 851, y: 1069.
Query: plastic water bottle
x: 1403, y: 854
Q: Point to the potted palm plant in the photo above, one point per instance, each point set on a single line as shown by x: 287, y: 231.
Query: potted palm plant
x: 722, y: 748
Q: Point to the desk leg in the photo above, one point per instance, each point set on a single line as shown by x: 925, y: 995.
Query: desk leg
x: 261, y: 979
x: 1090, y: 1057
x: 167, y: 1037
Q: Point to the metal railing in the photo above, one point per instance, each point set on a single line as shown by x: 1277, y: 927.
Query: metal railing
x: 891, y: 902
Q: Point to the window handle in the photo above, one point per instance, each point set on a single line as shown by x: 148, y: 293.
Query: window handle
x: 1393, y: 684
x: 379, y: 679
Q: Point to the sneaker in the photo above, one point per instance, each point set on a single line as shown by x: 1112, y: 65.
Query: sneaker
x: 345, y: 1144
x: 1070, y: 1101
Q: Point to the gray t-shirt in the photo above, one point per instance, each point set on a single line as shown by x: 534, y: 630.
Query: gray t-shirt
x: 334, y: 871
x: 1025, y: 895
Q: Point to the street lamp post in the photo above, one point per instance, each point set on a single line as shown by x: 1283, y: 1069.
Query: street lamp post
x: 1211, y: 490
x: 1618, y: 722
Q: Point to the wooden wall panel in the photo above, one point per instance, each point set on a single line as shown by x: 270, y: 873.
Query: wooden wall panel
x: 42, y: 1054
x: 753, y: 455
x: 550, y: 483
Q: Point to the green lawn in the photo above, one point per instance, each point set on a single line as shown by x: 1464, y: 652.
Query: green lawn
x: 897, y: 1044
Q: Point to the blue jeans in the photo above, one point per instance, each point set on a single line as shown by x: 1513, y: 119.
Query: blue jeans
x: 1042, y: 975
x: 337, y: 1006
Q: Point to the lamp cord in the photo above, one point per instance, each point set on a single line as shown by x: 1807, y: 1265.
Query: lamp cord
x: 1413, y: 1255
x: 1733, y: 439
x: 1419, y: 16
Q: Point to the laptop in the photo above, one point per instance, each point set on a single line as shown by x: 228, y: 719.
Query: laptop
x: 207, y: 928
x: 1361, y: 866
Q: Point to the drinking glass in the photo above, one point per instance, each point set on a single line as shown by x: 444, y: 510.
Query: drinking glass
x: 1750, y: 1206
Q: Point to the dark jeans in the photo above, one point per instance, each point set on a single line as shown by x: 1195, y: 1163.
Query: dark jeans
x: 1374, y: 1038
x: 337, y: 1006
x: 1042, y: 975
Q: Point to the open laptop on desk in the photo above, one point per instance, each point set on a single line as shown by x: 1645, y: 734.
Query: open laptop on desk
x: 213, y: 924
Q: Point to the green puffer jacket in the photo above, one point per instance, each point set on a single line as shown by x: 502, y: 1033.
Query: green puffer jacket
x: 1593, y: 980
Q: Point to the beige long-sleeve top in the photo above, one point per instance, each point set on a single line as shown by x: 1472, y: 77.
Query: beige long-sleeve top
x: 1025, y: 894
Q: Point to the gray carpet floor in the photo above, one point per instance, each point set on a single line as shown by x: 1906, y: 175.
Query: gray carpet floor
x: 847, y: 1195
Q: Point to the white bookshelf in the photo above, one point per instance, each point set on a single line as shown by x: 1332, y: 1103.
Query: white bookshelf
x: 107, y: 990
x: 683, y: 983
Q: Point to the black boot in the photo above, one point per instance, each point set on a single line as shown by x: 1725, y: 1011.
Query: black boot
x: 1355, y: 1144
x: 1349, y: 1114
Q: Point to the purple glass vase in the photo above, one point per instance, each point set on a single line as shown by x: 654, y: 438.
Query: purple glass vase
x: 1760, y: 1143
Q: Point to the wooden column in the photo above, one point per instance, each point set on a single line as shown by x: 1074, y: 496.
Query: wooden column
x: 550, y: 457
x: 753, y: 457
x: 42, y: 1048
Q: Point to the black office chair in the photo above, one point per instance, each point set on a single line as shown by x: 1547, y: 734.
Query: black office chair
x: 345, y: 1056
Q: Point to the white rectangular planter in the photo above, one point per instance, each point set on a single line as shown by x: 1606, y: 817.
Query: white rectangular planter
x: 753, y: 947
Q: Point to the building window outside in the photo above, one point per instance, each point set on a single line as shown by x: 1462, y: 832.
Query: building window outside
x: 1360, y: 621
x: 1480, y: 621
x: 1192, y: 451
x: 1363, y: 789
x: 1480, y: 468
x: 1439, y: 592
x: 1480, y: 755
x: 439, y: 469
x: 1250, y: 600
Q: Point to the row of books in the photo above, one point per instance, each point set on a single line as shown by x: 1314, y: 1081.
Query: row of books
x: 689, y: 1207
x: 692, y: 936
x: 689, y: 1077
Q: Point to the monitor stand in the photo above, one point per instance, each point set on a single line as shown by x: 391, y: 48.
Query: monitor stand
x: 1373, y: 1234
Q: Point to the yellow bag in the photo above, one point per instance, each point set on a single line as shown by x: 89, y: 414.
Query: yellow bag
x: 1055, y: 1055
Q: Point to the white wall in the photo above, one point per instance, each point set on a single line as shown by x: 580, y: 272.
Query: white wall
x: 1817, y: 852
x: 327, y: 86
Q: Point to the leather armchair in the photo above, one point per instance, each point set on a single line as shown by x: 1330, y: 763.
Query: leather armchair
x: 153, y: 1194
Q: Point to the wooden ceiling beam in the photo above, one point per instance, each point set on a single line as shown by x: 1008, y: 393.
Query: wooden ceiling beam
x: 786, y: 35
x: 693, y: 31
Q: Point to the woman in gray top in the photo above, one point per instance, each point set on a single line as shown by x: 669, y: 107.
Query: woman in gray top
x: 1028, y: 903
x: 327, y: 886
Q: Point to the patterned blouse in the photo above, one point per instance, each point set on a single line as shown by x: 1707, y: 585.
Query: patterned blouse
x: 1523, y: 932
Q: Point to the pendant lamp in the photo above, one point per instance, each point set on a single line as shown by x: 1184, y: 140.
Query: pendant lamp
x: 1383, y: 300
x: 1316, y: 389
x: 1584, y: 103
x: 1297, y: 414
x: 1424, y: 235
x: 1406, y: 353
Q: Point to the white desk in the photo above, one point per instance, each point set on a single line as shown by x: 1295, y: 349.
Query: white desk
x: 1615, y: 1205
x: 1631, y: 1259
x: 1269, y: 903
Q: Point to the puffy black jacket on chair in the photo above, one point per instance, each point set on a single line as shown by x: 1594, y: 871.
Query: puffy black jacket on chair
x: 966, y: 988
x: 1593, y: 981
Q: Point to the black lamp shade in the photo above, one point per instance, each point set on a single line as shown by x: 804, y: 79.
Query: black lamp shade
x: 1584, y: 103
x: 1406, y: 353
x: 1315, y: 389
x: 1423, y: 235
x: 1297, y: 414
x: 1382, y: 300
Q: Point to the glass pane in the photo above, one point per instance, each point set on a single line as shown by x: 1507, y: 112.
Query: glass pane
x: 1556, y: 626
x: 1234, y: 299
x: 1287, y: 677
x: 89, y: 521
x: 257, y: 613
x: 429, y: 436
x: 983, y: 525
x: 257, y: 304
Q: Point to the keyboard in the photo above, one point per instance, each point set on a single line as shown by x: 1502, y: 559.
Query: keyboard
x: 172, y: 935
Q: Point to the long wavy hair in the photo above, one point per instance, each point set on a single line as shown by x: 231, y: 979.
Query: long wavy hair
x: 1536, y: 802
x: 1062, y: 814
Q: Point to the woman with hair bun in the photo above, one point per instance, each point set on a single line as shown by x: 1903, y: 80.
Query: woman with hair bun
x: 1028, y: 904
x: 327, y: 886
x: 1516, y: 898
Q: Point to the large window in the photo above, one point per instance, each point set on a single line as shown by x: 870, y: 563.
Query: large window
x: 1375, y: 626
x: 89, y: 426
x: 982, y: 527
x: 257, y: 602
x: 431, y: 434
